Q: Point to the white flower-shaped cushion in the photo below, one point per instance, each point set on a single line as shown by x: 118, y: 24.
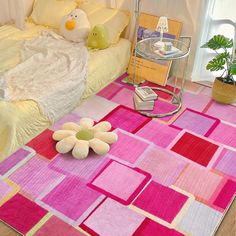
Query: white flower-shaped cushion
x: 80, y: 137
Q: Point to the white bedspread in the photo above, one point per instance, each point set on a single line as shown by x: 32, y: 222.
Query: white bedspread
x: 52, y: 72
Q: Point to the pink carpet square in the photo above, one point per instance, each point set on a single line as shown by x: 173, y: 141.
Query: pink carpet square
x: 21, y: 214
x: 35, y: 176
x: 4, y: 189
x: 148, y: 227
x: 223, y: 112
x: 13, y: 160
x: 227, y: 162
x: 101, y: 106
x: 162, y: 107
x: 127, y: 119
x: 120, y: 182
x: 196, y: 122
x: 57, y: 227
x: 195, y: 148
x: 109, y: 91
x: 44, y: 145
x: 67, y: 118
x: 226, y: 195
x: 163, y: 165
x: 195, y: 101
x: 160, y: 134
x: 112, y: 218
x: 225, y: 134
x: 72, y: 197
x: 84, y: 169
x: 128, y: 147
x: 124, y: 97
x: 199, y: 181
x: 161, y: 201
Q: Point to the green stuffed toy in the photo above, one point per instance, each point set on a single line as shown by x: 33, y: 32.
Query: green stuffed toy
x: 98, y: 38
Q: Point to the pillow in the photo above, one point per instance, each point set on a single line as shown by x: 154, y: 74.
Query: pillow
x: 114, y: 20
x: 50, y: 12
x: 75, y: 26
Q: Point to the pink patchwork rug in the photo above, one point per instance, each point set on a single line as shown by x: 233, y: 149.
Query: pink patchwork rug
x: 172, y: 176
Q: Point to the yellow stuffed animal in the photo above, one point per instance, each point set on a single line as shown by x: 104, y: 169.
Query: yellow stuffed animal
x: 75, y: 26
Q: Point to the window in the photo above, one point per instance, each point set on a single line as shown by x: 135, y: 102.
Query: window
x: 219, y: 18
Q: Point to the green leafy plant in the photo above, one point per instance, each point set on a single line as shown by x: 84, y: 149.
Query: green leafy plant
x: 224, y: 60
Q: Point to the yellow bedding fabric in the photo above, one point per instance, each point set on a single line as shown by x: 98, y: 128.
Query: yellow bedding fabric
x: 22, y: 120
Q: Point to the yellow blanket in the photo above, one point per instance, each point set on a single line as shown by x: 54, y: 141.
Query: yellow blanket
x: 20, y: 121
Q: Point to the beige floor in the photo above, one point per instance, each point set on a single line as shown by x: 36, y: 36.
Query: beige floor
x: 228, y: 226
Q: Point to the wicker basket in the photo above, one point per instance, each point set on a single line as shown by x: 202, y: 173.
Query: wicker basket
x: 223, y: 93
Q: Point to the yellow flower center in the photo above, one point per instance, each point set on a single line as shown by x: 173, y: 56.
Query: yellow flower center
x: 85, y: 134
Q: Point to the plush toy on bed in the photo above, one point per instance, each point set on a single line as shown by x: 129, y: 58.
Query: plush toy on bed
x: 75, y: 26
x: 80, y: 137
x: 98, y: 38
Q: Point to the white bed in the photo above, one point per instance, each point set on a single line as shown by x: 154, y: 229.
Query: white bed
x: 20, y: 121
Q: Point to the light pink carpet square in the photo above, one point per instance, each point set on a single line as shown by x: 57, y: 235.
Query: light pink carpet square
x: 199, y: 181
x: 223, y: 112
x: 124, y: 97
x: 195, y: 122
x: 225, y: 134
x: 119, y: 182
x: 160, y: 134
x: 227, y: 162
x: 129, y: 147
x: 113, y: 218
x: 162, y: 164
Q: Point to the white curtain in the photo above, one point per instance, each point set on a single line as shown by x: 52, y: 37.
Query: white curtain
x: 219, y: 18
x: 12, y: 11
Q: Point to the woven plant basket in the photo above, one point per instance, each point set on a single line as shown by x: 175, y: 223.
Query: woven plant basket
x: 223, y: 93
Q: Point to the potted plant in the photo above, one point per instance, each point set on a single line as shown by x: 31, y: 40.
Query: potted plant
x: 224, y: 87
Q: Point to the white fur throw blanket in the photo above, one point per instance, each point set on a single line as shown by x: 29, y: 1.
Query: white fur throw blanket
x: 52, y: 73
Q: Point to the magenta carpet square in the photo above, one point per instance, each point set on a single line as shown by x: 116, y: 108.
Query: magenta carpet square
x: 12, y: 160
x: 112, y: 218
x: 225, y: 134
x: 124, y: 97
x: 162, y: 107
x: 72, y: 197
x: 84, y: 169
x: 160, y: 134
x: 196, y: 122
x: 223, y: 112
x: 226, y: 195
x: 35, y: 176
x: 195, y: 148
x: 161, y: 201
x: 21, y: 214
x: 109, y: 91
x: 128, y: 147
x: 199, y: 181
x: 57, y: 227
x: 148, y: 227
x: 162, y: 164
x: 120, y: 182
x: 227, y: 162
x: 127, y: 119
